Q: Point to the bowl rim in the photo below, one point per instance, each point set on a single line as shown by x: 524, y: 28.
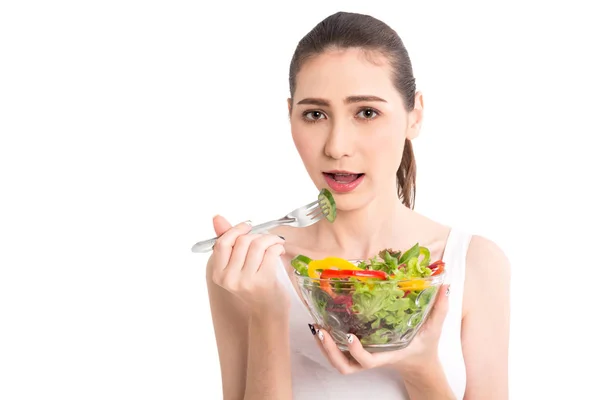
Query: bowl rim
x: 429, y: 278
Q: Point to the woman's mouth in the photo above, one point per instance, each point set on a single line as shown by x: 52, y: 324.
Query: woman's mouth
x: 343, y: 181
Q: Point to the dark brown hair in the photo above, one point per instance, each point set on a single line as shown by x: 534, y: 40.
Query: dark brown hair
x: 345, y: 30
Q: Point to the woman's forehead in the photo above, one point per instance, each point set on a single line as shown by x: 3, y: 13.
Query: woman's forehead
x: 337, y: 74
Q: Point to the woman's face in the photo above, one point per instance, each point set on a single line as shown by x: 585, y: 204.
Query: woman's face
x: 349, y: 124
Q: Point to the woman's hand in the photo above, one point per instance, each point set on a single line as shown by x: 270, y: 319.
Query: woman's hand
x: 246, y: 265
x: 414, y: 361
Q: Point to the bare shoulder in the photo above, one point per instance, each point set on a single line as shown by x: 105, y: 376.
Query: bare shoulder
x: 486, y: 258
x: 487, y: 274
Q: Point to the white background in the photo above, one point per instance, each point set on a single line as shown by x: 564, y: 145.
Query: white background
x: 125, y: 126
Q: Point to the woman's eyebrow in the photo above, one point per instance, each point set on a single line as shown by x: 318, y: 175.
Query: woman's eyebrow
x: 348, y: 100
x: 358, y: 99
x: 314, y: 101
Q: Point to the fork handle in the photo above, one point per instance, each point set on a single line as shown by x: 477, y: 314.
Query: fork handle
x: 269, y: 225
x: 207, y: 245
x: 204, y: 246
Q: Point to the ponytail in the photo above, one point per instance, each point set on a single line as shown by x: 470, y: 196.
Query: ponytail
x: 406, y: 176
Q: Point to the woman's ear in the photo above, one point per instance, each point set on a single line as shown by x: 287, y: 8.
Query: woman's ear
x: 289, y: 101
x: 415, y: 118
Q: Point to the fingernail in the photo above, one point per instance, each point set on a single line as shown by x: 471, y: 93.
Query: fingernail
x: 281, y: 237
x: 448, y: 291
x: 312, y: 329
x: 350, y: 338
x: 248, y: 222
x: 320, y: 335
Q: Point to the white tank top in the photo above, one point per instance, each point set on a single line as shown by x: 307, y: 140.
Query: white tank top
x: 313, y: 377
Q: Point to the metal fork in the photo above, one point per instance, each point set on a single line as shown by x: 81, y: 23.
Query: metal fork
x: 299, y: 218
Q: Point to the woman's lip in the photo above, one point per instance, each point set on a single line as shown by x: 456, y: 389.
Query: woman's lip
x: 341, y: 187
x: 335, y: 171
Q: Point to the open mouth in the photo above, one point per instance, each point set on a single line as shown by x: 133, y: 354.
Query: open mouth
x: 343, y: 177
x: 343, y: 181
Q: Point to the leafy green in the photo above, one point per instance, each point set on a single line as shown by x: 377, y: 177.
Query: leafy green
x: 393, y: 253
x: 376, y: 302
x: 424, y: 251
x: 380, y: 305
x: 410, y: 253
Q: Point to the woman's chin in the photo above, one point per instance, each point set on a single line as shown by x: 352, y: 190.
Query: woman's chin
x: 348, y: 202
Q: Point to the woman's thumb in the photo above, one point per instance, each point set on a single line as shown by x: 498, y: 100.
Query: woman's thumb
x: 221, y: 225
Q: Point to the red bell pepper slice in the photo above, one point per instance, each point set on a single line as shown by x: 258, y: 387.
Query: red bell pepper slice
x: 437, y: 267
x: 347, y: 273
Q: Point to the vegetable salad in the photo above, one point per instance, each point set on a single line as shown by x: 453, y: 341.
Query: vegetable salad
x: 379, y: 300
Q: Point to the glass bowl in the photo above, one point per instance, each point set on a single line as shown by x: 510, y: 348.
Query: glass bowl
x: 383, y: 314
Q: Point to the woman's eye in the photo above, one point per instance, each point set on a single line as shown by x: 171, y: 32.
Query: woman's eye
x: 313, y: 115
x: 368, y: 113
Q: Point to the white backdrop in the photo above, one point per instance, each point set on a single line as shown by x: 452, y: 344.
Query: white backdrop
x: 126, y: 125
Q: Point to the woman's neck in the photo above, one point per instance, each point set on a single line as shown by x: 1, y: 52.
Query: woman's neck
x: 363, y: 232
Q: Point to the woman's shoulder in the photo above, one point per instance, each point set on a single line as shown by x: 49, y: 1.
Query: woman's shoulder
x: 486, y: 259
x: 484, y: 249
x: 487, y: 267
x: 487, y: 277
x: 483, y: 254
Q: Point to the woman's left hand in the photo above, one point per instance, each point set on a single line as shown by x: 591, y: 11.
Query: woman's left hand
x: 420, y: 355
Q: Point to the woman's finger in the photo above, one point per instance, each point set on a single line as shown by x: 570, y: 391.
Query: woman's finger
x: 368, y: 360
x: 224, y: 245
x: 240, y: 251
x: 363, y: 357
x: 271, y: 260
x: 336, y: 357
x: 258, y: 251
x: 220, y: 225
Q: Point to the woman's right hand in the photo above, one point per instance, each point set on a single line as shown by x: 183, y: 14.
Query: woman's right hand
x: 245, y: 264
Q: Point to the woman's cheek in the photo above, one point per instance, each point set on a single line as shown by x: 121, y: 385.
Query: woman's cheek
x: 307, y: 147
x: 309, y: 154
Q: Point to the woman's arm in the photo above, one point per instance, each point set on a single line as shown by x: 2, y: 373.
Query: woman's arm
x: 250, y: 312
x: 269, y: 371
x: 230, y: 322
x: 253, y: 349
x: 486, y: 321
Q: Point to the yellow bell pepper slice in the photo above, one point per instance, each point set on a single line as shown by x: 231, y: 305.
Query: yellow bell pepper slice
x: 413, y: 284
x: 329, y: 263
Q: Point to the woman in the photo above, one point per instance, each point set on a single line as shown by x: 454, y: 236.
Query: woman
x: 354, y: 111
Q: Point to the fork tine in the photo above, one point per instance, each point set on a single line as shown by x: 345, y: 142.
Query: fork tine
x: 313, y: 210
x: 319, y: 216
x: 312, y: 206
x: 317, y: 211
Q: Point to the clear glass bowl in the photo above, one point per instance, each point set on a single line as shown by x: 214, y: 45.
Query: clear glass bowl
x: 383, y: 314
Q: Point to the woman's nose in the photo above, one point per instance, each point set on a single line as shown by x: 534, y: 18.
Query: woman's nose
x: 340, y: 142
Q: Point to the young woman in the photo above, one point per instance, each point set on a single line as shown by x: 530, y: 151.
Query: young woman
x: 354, y: 110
